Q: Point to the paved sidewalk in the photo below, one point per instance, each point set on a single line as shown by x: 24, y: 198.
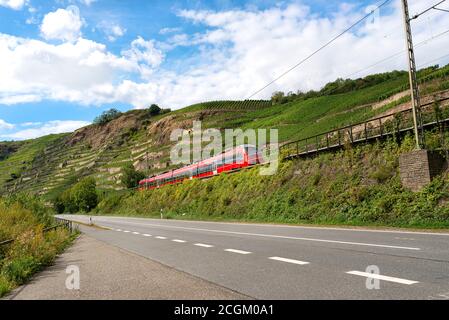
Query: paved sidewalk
x: 107, y: 272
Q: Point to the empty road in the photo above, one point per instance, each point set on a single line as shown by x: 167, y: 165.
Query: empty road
x: 289, y: 262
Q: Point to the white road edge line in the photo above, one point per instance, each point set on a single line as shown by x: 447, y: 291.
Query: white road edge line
x: 179, y: 241
x: 237, y: 251
x: 81, y: 219
x: 203, y: 245
x: 274, y: 225
x: 162, y: 238
x: 289, y: 260
x: 381, y: 277
x: 275, y: 236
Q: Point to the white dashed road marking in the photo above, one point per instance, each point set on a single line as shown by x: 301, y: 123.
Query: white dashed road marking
x: 146, y: 235
x: 162, y: 238
x: 179, y: 241
x: 381, y: 277
x: 126, y: 231
x: 203, y: 245
x: 277, y: 236
x: 237, y: 251
x: 118, y: 230
x: 289, y: 260
x: 135, y: 232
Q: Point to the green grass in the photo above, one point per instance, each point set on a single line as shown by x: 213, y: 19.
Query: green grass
x: 21, y: 160
x: 229, y: 105
x: 23, y: 219
x: 359, y: 186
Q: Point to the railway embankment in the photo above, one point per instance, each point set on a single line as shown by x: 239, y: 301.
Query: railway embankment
x: 355, y: 186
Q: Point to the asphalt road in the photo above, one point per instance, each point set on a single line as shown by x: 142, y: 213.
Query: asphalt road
x: 285, y: 262
x: 110, y: 273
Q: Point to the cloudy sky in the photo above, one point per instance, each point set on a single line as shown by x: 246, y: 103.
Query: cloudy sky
x: 62, y: 62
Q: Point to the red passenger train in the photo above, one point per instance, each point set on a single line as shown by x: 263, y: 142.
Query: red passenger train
x: 233, y: 159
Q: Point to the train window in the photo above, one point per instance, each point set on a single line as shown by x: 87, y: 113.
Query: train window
x: 239, y: 158
x: 229, y: 159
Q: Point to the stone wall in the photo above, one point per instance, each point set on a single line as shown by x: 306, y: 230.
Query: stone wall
x: 418, y: 168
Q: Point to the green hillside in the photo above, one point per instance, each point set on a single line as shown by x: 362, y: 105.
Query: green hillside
x: 358, y: 186
x: 51, y: 164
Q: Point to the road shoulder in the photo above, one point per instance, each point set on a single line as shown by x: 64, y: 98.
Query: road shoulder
x: 107, y: 272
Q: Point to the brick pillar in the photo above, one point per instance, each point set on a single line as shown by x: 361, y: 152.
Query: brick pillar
x: 418, y: 168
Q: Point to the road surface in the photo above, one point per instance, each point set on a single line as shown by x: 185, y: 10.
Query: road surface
x: 107, y: 272
x: 289, y: 262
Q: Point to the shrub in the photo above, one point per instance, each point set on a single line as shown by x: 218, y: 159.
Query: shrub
x: 32, y: 249
x: 383, y: 173
x: 107, y: 116
x: 131, y: 177
x: 154, y: 110
x: 84, y: 194
x: 81, y: 197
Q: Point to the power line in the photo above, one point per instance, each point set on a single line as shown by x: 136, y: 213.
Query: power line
x: 427, y: 10
x: 398, y: 30
x: 319, y: 49
x: 433, y: 60
x: 439, y: 9
x: 419, y: 44
x: 390, y: 57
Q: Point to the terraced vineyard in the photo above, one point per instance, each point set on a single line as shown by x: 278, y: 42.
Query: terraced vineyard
x: 231, y: 105
x: 51, y: 164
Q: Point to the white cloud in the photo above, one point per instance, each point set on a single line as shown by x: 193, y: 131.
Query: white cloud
x: 31, y: 124
x: 5, y: 125
x: 51, y: 127
x: 62, y: 24
x: 87, y: 2
x: 82, y: 71
x: 117, y: 31
x: 169, y: 30
x: 19, y: 98
x: 112, y: 30
x: 13, y: 4
x: 144, y: 51
x: 238, y: 52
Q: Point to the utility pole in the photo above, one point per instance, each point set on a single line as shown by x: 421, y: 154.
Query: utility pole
x: 147, y: 170
x: 414, y: 90
x: 147, y: 165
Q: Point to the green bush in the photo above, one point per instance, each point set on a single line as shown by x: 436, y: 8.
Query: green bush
x: 131, y: 177
x: 84, y: 194
x: 82, y: 197
x: 107, y: 116
x: 154, y: 110
x: 32, y: 249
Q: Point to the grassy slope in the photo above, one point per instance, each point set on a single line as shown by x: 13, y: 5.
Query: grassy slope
x: 358, y: 186
x: 23, y: 220
x: 22, y: 159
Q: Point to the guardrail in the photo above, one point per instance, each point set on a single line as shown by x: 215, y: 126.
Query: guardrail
x: 59, y: 224
x: 377, y: 128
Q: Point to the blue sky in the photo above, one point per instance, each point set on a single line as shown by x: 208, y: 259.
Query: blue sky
x: 65, y: 61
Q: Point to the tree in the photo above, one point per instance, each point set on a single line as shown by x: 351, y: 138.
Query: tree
x: 82, y: 197
x: 277, y: 97
x: 107, y: 116
x: 154, y: 110
x: 131, y: 177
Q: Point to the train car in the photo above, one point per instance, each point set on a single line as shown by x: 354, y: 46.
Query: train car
x: 230, y: 160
